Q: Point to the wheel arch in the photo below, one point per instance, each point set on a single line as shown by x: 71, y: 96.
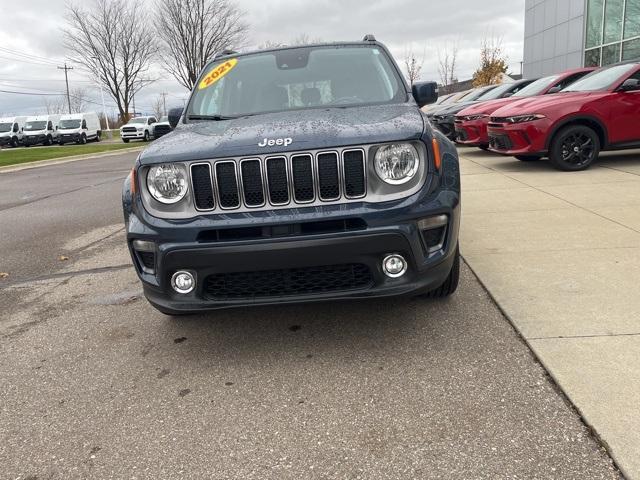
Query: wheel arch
x: 589, y: 121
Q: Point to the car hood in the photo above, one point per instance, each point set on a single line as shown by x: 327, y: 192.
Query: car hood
x: 308, y: 129
x: 455, y: 108
x: 489, y: 106
x: 543, y: 103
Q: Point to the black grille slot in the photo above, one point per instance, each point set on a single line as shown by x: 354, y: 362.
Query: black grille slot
x: 500, y: 142
x: 252, y: 183
x: 129, y: 129
x: 354, y: 174
x: 148, y: 259
x: 302, y: 178
x: 202, y: 187
x: 328, y: 176
x: 286, y: 282
x: 227, y: 184
x: 278, y: 182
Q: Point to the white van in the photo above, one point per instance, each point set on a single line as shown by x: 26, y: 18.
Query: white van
x: 11, y: 130
x: 41, y: 129
x: 79, y: 128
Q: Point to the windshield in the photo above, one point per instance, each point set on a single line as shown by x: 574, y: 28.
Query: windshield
x: 35, y: 125
x: 475, y: 94
x: 297, y: 78
x: 537, y: 87
x: 164, y: 119
x: 497, y: 92
x: 66, y: 124
x: 600, y: 79
x: 138, y: 120
x: 5, y: 127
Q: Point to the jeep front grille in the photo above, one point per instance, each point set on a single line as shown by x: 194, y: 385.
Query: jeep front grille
x: 279, y: 180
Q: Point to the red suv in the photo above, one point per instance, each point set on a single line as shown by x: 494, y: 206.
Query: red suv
x: 471, y: 123
x: 598, y: 112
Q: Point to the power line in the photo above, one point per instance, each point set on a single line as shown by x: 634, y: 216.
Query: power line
x: 13, y: 59
x: 28, y: 93
x: 27, y: 55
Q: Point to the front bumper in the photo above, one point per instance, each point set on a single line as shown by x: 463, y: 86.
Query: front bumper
x: 5, y: 141
x: 132, y: 135
x: 68, y: 137
x: 518, y: 139
x: 472, y: 132
x: 383, y: 229
x: 445, y: 124
x: 34, y: 139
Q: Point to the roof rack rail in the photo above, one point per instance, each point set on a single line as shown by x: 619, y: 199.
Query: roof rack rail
x: 224, y: 53
x: 369, y: 38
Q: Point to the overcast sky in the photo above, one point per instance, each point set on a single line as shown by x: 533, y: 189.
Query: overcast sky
x: 35, y: 27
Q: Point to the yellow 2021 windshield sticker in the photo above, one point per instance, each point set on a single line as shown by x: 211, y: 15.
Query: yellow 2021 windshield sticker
x: 217, y: 73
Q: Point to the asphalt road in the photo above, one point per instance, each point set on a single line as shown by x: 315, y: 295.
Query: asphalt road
x: 97, y: 384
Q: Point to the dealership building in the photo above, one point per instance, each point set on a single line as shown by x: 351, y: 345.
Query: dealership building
x: 564, y: 34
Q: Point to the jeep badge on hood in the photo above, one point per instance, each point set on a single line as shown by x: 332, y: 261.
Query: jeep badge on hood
x: 278, y: 141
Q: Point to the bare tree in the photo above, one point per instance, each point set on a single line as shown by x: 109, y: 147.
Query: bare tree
x: 413, y: 65
x: 116, y: 46
x: 79, y: 99
x: 157, y: 107
x: 447, y: 63
x: 193, y: 31
x: 56, y: 105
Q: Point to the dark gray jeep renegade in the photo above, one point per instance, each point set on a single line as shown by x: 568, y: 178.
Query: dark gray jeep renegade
x: 296, y: 174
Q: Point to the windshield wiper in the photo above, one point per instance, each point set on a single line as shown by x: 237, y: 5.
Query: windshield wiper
x: 216, y: 118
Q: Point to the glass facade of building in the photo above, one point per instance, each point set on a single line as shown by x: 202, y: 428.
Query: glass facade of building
x: 612, y: 32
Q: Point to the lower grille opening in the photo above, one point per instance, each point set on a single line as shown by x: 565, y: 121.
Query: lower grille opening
x: 288, y: 282
x: 434, y: 238
x: 286, y: 230
x: 147, y: 261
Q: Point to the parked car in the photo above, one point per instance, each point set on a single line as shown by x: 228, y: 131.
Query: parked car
x: 444, y: 118
x: 11, y: 131
x: 138, y: 128
x: 468, y: 96
x: 42, y: 129
x: 598, y: 112
x: 316, y: 178
x: 471, y: 123
x: 79, y: 128
x: 162, y: 127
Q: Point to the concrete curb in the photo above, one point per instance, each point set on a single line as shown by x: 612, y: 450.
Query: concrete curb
x: 61, y: 160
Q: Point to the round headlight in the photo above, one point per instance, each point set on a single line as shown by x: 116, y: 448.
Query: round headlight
x: 167, y: 183
x: 397, y: 163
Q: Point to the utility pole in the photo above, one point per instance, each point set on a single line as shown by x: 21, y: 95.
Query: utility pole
x: 66, y: 77
x: 164, y: 102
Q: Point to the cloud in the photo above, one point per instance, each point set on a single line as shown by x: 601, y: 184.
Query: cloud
x: 35, y: 28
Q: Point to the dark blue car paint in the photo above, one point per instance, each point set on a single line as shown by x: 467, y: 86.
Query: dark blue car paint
x: 310, y: 129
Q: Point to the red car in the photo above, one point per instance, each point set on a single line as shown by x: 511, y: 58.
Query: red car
x: 471, y: 123
x: 598, y: 112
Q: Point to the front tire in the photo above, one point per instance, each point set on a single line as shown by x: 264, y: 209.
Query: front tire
x: 574, y: 148
x: 146, y: 136
x: 14, y: 142
x: 125, y: 140
x: 48, y: 141
x: 83, y: 139
x: 450, y: 285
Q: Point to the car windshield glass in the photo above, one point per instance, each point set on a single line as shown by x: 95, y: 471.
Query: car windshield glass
x: 601, y: 79
x: 497, y: 92
x: 35, y: 125
x: 537, y: 87
x: 295, y: 79
x: 474, y: 95
x: 164, y: 119
x: 138, y: 120
x: 69, y: 124
x: 5, y: 127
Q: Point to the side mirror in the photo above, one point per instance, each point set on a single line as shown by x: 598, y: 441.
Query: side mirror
x: 507, y: 95
x: 425, y: 93
x: 629, y: 85
x: 555, y: 89
x: 174, y: 116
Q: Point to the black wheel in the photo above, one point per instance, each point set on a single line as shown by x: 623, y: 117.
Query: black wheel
x: 14, y: 142
x: 146, y: 136
x: 48, y: 141
x: 83, y: 139
x: 125, y: 140
x: 61, y: 143
x: 99, y: 136
x: 450, y: 285
x: 574, y: 148
x: 528, y: 158
x: 483, y: 147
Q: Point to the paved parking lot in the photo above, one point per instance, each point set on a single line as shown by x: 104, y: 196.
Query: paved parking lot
x: 560, y: 252
x: 97, y: 384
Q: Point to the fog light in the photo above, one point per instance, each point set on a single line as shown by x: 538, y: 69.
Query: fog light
x: 144, y: 246
x: 394, y: 266
x: 183, y: 282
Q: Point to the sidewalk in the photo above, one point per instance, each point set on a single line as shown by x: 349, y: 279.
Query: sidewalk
x: 560, y: 254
